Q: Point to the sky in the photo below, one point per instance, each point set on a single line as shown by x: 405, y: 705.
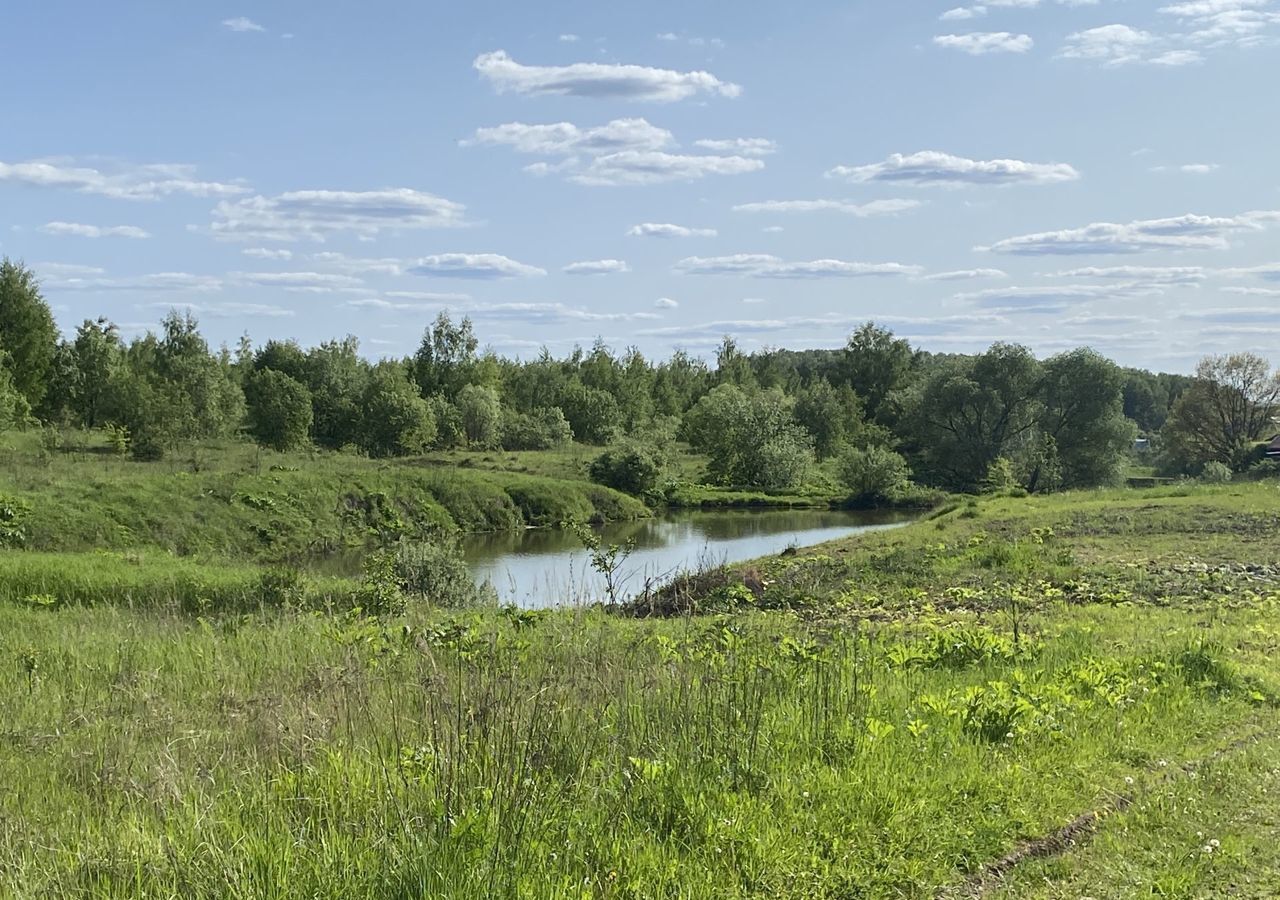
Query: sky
x: 1053, y: 172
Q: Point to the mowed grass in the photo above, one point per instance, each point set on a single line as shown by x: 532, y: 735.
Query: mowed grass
x: 891, y: 716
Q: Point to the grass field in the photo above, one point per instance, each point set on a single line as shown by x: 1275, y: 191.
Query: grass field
x: 887, y: 717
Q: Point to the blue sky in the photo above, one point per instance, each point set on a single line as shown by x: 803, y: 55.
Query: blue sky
x: 1055, y: 172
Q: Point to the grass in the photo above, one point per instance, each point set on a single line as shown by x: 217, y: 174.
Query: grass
x: 881, y: 717
x: 232, y: 501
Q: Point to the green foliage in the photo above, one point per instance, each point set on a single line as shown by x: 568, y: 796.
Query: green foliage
x: 436, y: 573
x: 1227, y: 409
x: 397, y: 422
x: 28, y: 334
x: 631, y: 468
x: 876, y: 364
x: 593, y: 414
x: 14, y: 514
x: 545, y: 428
x: 279, y: 413
x: 1215, y: 472
x: 446, y: 359
x: 873, y: 475
x: 1000, y: 477
x: 750, y: 437
x: 480, y: 412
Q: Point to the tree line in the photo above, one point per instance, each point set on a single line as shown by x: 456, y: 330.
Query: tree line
x: 884, y: 409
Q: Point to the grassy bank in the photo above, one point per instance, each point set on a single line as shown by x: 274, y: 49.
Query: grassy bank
x: 232, y: 501
x: 888, y: 718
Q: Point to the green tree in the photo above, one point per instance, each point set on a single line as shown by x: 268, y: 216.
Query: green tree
x: 1083, y: 418
x: 446, y: 357
x: 1231, y: 405
x: 592, y: 413
x: 833, y: 417
x: 27, y: 331
x: 338, y: 379
x: 875, y: 365
x: 397, y: 421
x: 279, y: 413
x: 751, y: 438
x: 96, y: 354
x: 14, y: 410
x: 633, y: 469
x: 481, y: 412
x: 972, y: 410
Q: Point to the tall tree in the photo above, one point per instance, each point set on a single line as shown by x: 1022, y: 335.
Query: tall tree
x: 445, y: 357
x: 278, y: 410
x: 1083, y: 415
x: 876, y: 364
x: 1232, y: 404
x: 96, y: 352
x: 27, y: 331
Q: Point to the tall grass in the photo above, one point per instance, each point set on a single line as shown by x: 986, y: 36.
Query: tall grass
x: 506, y: 754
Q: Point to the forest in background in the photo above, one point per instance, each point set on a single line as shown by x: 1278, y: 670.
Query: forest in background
x: 889, y: 416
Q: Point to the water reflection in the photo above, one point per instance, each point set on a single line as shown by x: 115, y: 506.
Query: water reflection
x: 549, y: 568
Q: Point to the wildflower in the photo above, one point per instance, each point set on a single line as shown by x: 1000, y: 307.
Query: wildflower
x: 1207, y: 848
x: 1128, y: 779
x: 1215, y: 843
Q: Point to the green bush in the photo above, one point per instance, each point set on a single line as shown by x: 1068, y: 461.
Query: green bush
x: 1215, y: 473
x: 631, y: 469
x: 873, y: 475
x: 437, y: 573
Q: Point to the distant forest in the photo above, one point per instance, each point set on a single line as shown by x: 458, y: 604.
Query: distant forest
x: 883, y: 408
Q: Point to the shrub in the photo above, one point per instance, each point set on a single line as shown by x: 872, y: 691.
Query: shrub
x: 873, y: 475
x: 1215, y: 473
x: 632, y: 469
x: 437, y: 574
x: 544, y: 429
x: 13, y: 521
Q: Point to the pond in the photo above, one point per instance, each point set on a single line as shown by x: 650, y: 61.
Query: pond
x: 542, y: 568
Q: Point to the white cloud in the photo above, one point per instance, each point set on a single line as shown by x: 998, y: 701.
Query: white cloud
x: 482, y: 266
x: 759, y: 265
x: 667, y: 230
x: 599, y: 80
x: 144, y: 182
x: 861, y: 210
x: 298, y: 282
x: 264, y: 253
x: 316, y: 215
x: 623, y: 152
x: 929, y: 168
x: 568, y: 39
x: 1143, y: 274
x: 982, y: 43
x: 241, y: 24
x: 565, y: 138
x: 360, y: 265
x: 963, y: 13
x: 1049, y: 299
x: 75, y: 229
x: 1112, y: 45
x: 740, y: 146
x: 548, y: 313
x: 666, y: 303
x: 634, y: 167
x: 965, y: 275
x: 597, y: 267
x: 92, y: 280
x: 1189, y: 232
x: 227, y: 310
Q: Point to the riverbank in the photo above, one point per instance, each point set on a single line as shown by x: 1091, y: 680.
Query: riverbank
x: 900, y: 714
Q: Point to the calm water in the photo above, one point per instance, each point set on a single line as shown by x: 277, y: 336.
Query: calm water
x: 549, y: 568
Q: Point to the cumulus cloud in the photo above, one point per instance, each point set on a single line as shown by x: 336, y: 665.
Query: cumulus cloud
x: 982, y: 43
x: 75, y: 229
x: 1189, y: 232
x: 740, y: 146
x: 242, y: 25
x: 482, y: 266
x: 144, y: 182
x: 317, y: 215
x: 622, y: 152
x: 264, y: 253
x: 599, y: 80
x: 666, y: 303
x: 861, y: 210
x: 667, y: 230
x: 760, y: 265
x: 929, y: 168
x: 597, y: 267
x: 565, y: 138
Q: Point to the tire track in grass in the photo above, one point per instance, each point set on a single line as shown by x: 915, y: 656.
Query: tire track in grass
x: 1081, y: 830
